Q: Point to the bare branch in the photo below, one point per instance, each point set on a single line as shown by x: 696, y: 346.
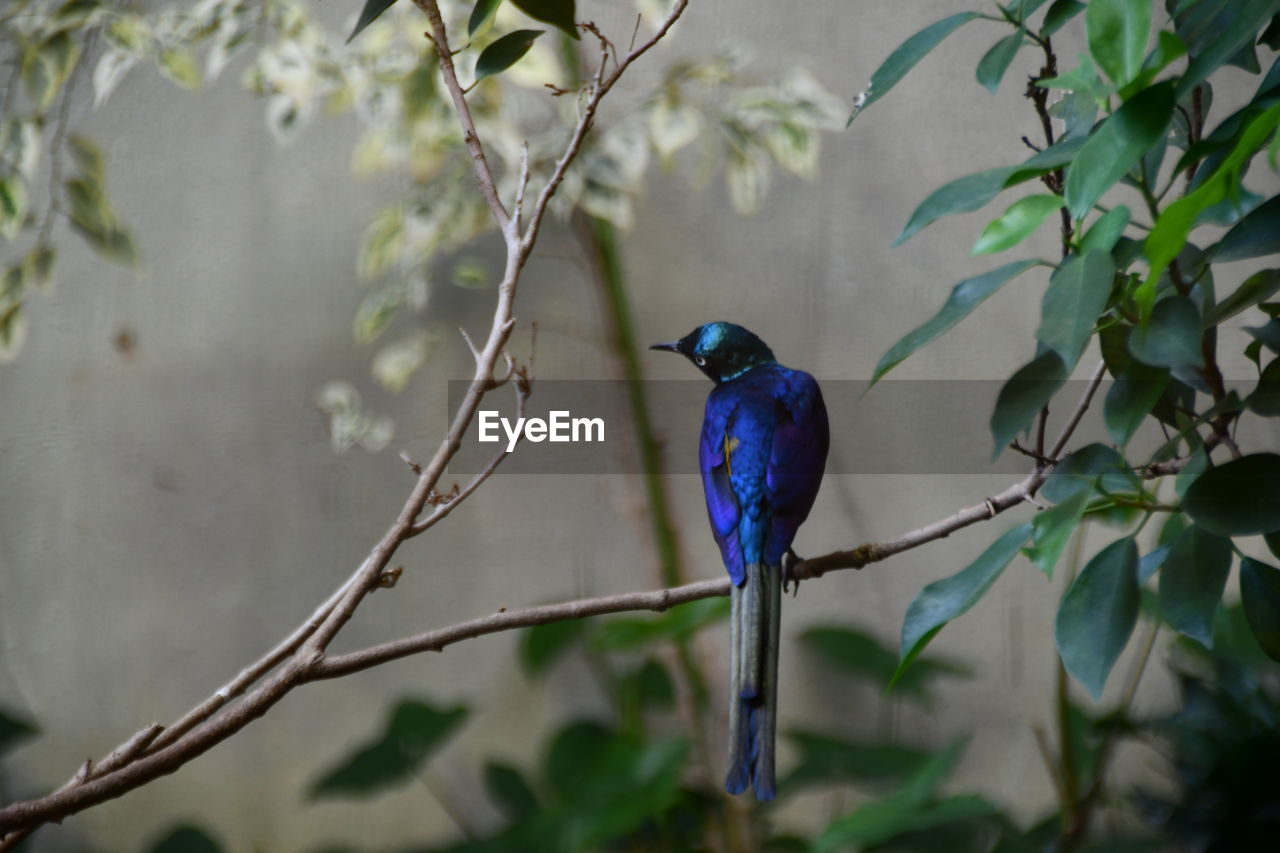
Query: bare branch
x: 484, y: 175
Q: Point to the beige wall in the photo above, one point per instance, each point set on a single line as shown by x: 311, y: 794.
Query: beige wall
x: 167, y: 515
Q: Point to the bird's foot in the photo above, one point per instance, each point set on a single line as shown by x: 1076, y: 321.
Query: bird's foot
x: 789, y: 562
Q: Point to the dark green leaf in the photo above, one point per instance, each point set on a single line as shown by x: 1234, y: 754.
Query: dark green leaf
x: 509, y: 791
x: 1191, y: 582
x: 679, y: 622
x: 1258, y: 233
x: 1117, y: 32
x: 567, y: 766
x: 186, y: 839
x: 1024, y: 395
x: 1131, y: 399
x: 1151, y: 562
x: 1256, y: 288
x: 505, y: 52
x: 1080, y: 468
x: 823, y: 760
x: 1076, y: 110
x: 14, y: 731
x: 481, y: 14
x: 1053, y: 527
x: 1077, y: 294
x: 1246, y: 19
x: 1260, y: 595
x: 964, y: 297
x: 1097, y: 615
x: 1106, y: 231
x: 647, y: 686
x: 1172, y: 336
x: 1240, y: 498
x: 1265, y: 399
x: 905, y: 57
x: 413, y: 732
x: 543, y: 645
x: 1273, y: 543
x: 372, y: 9
x: 1082, y: 79
x: 944, y: 600
x: 1268, y: 335
x: 560, y: 14
x: 1116, y: 145
x: 996, y: 60
x: 1059, y: 14
x: 863, y: 656
x: 959, y: 196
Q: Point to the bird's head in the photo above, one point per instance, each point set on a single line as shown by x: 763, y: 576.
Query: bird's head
x: 721, y: 350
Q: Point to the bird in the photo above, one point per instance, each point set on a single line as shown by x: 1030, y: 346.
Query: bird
x: 762, y: 454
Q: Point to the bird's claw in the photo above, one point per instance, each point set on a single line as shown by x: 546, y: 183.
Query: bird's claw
x: 789, y: 562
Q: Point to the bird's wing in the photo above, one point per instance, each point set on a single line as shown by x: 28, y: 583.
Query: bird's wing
x: 797, y: 456
x: 722, y: 503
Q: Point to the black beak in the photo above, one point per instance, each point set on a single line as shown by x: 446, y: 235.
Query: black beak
x: 674, y: 346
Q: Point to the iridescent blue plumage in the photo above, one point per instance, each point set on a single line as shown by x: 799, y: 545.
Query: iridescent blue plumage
x: 762, y: 452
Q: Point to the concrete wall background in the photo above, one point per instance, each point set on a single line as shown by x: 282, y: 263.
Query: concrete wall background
x: 167, y: 515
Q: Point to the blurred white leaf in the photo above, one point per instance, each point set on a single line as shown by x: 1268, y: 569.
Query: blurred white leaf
x: 396, y: 363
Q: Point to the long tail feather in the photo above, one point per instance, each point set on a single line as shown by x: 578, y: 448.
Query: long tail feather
x: 755, y: 610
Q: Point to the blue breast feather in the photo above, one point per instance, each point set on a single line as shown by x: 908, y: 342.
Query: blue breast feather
x: 764, y: 444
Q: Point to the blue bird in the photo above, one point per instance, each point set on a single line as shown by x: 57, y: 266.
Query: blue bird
x: 763, y: 448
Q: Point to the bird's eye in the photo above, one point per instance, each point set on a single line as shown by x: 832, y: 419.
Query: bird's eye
x: 700, y: 361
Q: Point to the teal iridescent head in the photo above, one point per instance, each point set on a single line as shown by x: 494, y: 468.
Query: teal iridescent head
x: 723, y: 351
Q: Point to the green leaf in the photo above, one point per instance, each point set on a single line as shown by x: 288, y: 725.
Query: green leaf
x: 1246, y: 19
x: 1171, y: 338
x: 558, y: 13
x: 1258, y: 233
x: 13, y: 206
x: 372, y: 9
x: 413, y: 732
x: 822, y: 760
x: 1169, y: 233
x: 974, y: 191
x: 1077, y: 294
x: 381, y: 244
x: 1097, y: 615
x: 905, y: 57
x: 679, y: 622
x: 959, y: 196
x: 1260, y: 595
x: 1239, y: 498
x: 1268, y: 335
x: 505, y: 52
x: 1024, y: 395
x: 543, y: 645
x: 1106, y: 231
x: 996, y: 61
x: 1016, y: 224
x: 1265, y: 399
x: 1052, y: 529
x: 509, y: 791
x: 1131, y: 399
x: 912, y: 809
x: 1080, y: 469
x: 964, y: 297
x: 944, y: 600
x: 1117, y: 32
x: 186, y: 839
x: 1081, y: 80
x: 1192, y: 578
x: 87, y: 157
x: 647, y: 686
x: 1258, y: 287
x: 481, y: 14
x: 179, y: 65
x: 14, y: 731
x: 1059, y: 14
x: 863, y: 656
x: 1116, y: 145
